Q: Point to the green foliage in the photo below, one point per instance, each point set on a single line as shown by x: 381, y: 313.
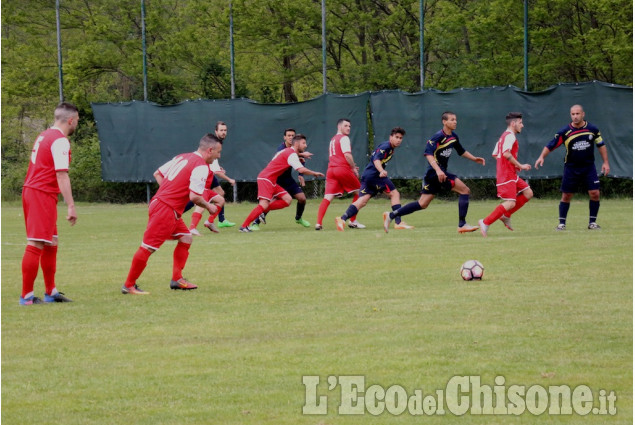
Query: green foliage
x: 371, y: 45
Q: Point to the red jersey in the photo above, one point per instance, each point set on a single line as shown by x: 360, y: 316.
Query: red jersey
x: 280, y: 163
x: 183, y: 174
x: 339, y: 145
x: 505, y: 170
x: 51, y: 153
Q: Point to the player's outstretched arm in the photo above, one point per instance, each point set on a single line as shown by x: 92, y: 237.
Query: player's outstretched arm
x: 471, y: 157
x: 541, y: 159
x: 304, y: 170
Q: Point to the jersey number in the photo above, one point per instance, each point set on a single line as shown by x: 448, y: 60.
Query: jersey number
x: 175, y: 169
x: 36, y: 146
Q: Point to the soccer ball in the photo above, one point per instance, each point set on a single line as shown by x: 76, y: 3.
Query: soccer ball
x: 472, y: 270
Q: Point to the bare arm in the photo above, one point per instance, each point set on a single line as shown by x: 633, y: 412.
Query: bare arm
x: 305, y: 170
x: 64, y: 183
x: 433, y: 163
x: 605, y: 160
x: 541, y: 159
x: 382, y: 171
x: 471, y: 157
x: 351, y: 163
x: 508, y: 156
x: 224, y: 176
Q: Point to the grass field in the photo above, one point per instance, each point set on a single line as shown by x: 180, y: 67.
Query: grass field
x: 555, y: 308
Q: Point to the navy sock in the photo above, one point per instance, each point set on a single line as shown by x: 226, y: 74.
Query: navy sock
x: 406, y: 209
x: 563, y: 210
x: 350, y: 212
x: 464, y: 203
x: 221, y: 214
x: 395, y: 208
x: 594, y: 207
x: 299, y: 210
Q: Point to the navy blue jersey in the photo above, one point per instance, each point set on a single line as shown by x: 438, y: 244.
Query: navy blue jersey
x: 440, y: 147
x: 578, y: 142
x: 383, y: 153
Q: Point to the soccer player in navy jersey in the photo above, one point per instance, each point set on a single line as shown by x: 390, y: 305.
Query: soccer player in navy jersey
x: 437, y: 178
x: 579, y: 138
x: 375, y: 180
x: 288, y: 183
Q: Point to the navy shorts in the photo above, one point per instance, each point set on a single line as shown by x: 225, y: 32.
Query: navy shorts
x: 288, y: 183
x: 215, y: 182
x: 373, y: 186
x: 585, y: 177
x: 431, y: 184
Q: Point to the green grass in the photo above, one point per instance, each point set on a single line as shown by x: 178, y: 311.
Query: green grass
x: 554, y: 308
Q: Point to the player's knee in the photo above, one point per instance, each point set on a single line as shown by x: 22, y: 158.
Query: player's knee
x: 594, y: 195
x: 566, y: 197
x: 219, y: 201
x: 187, y: 239
x: 301, y: 198
x: 528, y: 194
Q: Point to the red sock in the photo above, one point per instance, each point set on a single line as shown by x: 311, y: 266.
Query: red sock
x: 252, y: 216
x: 196, y: 218
x: 355, y: 198
x: 139, y: 262
x: 48, y: 262
x: 30, y: 266
x: 181, y: 252
x: 520, y: 201
x: 212, y: 217
x: 495, y: 215
x: 278, y: 204
x: 324, y: 205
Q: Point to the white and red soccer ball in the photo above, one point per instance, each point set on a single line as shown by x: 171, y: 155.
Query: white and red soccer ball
x: 472, y: 270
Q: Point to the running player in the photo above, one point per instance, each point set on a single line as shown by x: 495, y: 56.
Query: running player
x: 579, y: 164
x: 184, y: 180
x: 46, y: 177
x: 288, y: 183
x: 437, y: 178
x: 375, y: 180
x: 342, y: 174
x: 271, y: 196
x: 514, y: 191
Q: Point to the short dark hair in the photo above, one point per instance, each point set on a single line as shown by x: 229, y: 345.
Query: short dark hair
x: 298, y: 136
x: 398, y: 130
x: 513, y: 116
x: 446, y: 115
x: 341, y: 120
x: 65, y: 110
x: 208, y: 140
x: 219, y: 123
x: 284, y: 133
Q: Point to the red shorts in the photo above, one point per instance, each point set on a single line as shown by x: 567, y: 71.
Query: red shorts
x: 340, y: 180
x: 507, y: 191
x: 163, y: 224
x: 208, y: 194
x: 40, y: 214
x: 268, y: 190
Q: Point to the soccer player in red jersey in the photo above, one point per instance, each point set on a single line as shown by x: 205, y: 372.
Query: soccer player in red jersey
x: 216, y: 193
x: 184, y: 179
x: 514, y: 191
x: 342, y: 174
x: 46, y: 177
x: 271, y: 196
